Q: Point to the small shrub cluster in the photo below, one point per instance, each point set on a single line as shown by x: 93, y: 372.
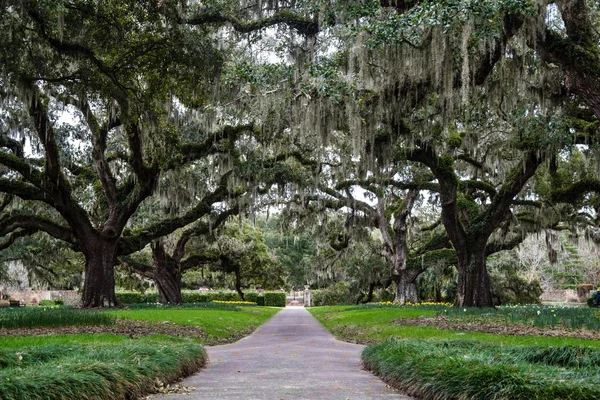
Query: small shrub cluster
x: 274, y: 299
x: 251, y: 296
x: 465, y: 369
x: 37, y: 317
x: 46, y: 303
x: 334, y: 295
x: 594, y: 299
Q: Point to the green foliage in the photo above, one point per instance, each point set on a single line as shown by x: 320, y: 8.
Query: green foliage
x: 201, y: 305
x: 137, y: 298
x: 336, y: 294
x: 100, y: 370
x: 59, y: 302
x: 275, y: 299
x: 46, y: 303
x: 473, y: 370
x: 260, y: 300
x: 594, y: 299
x: 508, y: 286
x: 193, y: 297
x: 37, y: 317
x: 186, y: 296
x: 252, y: 296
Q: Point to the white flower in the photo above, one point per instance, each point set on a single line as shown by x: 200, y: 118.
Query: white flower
x: 539, y: 312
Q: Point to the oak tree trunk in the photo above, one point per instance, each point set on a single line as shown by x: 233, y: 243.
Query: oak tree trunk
x: 167, y: 276
x: 473, y: 280
x: 238, y: 283
x: 406, y: 286
x: 99, y: 279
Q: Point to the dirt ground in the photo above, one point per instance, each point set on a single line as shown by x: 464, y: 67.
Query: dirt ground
x: 442, y: 322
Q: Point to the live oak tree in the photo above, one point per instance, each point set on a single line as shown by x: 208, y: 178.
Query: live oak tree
x: 421, y: 74
x: 117, y: 69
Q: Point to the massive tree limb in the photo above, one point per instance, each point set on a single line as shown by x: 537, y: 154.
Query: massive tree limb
x: 302, y: 25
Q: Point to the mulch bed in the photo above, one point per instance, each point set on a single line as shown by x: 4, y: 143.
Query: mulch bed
x: 121, y: 327
x: 442, y: 322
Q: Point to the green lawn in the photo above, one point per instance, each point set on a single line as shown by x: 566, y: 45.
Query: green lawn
x: 218, y: 325
x: 374, y: 324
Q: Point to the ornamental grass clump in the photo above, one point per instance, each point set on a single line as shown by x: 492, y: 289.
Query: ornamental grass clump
x: 103, y: 371
x: 464, y: 369
x: 42, y: 317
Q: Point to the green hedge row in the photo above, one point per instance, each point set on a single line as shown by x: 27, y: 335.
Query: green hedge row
x: 273, y: 299
x: 187, y: 297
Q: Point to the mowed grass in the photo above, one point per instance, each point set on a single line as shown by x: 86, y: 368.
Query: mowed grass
x: 369, y: 325
x: 217, y: 324
x: 93, y: 366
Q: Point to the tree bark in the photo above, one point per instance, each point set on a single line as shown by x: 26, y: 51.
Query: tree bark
x: 167, y: 275
x: 406, y: 286
x: 238, y: 283
x: 99, y: 281
x: 473, y: 280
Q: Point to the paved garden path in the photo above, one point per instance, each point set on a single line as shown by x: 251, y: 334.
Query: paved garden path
x: 290, y: 357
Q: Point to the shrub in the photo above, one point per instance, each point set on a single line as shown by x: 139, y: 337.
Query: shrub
x: 224, y: 296
x: 59, y: 302
x: 137, y: 298
x: 334, y: 295
x: 46, y: 303
x: 260, y: 300
x: 275, y: 299
x: 594, y: 299
x: 194, y: 297
x: 252, y: 296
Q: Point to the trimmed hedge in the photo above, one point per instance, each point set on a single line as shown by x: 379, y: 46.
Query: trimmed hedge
x: 260, y: 300
x: 136, y: 297
x: 186, y: 297
x: 252, y: 296
x: 275, y: 299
